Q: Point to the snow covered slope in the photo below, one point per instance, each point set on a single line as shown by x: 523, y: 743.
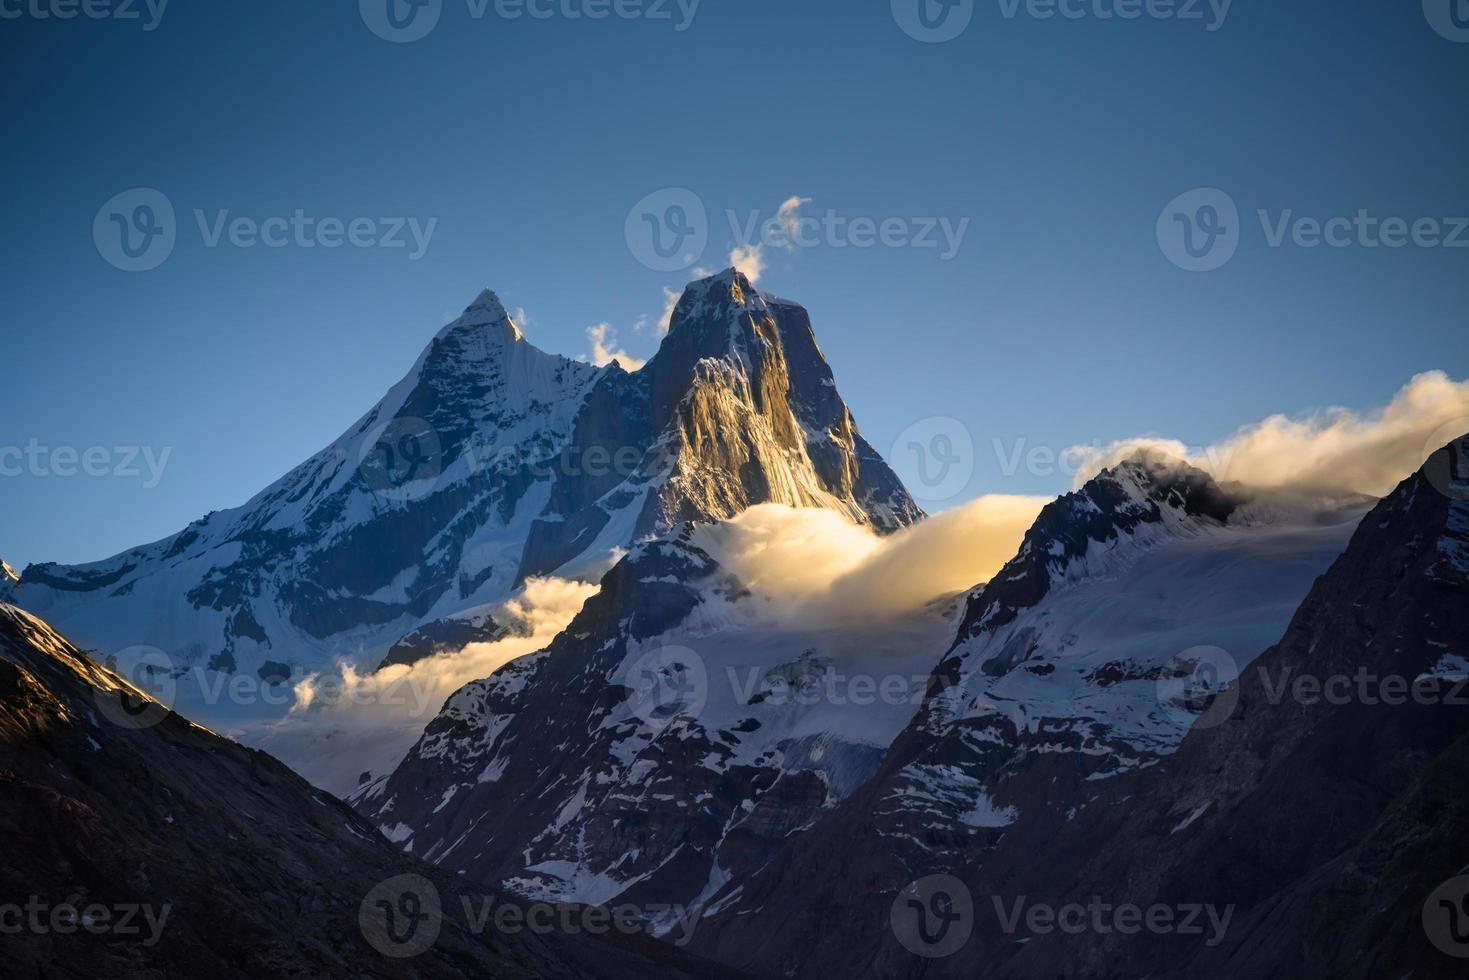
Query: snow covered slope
x: 1065, y: 675
x: 663, y: 745
x: 677, y: 738
x: 491, y: 461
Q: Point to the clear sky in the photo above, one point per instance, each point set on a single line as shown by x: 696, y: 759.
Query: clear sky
x: 1059, y: 319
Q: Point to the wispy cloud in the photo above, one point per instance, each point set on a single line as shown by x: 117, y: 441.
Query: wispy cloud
x: 789, y: 217
x: 603, y: 338
x: 1335, y: 450
x: 749, y: 259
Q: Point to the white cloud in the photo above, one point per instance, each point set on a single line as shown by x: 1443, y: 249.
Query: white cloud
x: 346, y: 720
x: 789, y: 217
x: 670, y: 300
x: 748, y: 259
x: 1332, y: 451
x: 818, y: 566
x: 603, y: 338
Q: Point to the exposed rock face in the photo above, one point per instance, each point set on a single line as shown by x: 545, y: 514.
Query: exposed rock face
x: 490, y: 462
x: 208, y: 859
x: 1320, y: 828
x: 662, y: 747
x: 444, y: 636
x: 550, y: 779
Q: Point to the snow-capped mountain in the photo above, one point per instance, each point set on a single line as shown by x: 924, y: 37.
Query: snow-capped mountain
x: 223, y: 862
x: 1324, y: 801
x: 1321, y: 826
x: 491, y: 461
x: 567, y: 774
x: 662, y: 745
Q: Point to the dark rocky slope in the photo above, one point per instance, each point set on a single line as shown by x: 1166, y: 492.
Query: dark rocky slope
x: 107, y: 799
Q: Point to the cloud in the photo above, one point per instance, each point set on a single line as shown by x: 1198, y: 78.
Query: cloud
x: 670, y: 300
x: 816, y: 565
x: 1335, y: 451
x: 347, y: 720
x: 790, y: 218
x: 748, y: 259
x: 603, y: 338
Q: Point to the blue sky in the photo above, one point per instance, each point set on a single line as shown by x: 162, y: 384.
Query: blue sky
x: 1058, y: 320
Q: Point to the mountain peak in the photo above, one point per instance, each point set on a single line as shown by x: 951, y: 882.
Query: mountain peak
x: 1168, y: 479
x: 486, y: 312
